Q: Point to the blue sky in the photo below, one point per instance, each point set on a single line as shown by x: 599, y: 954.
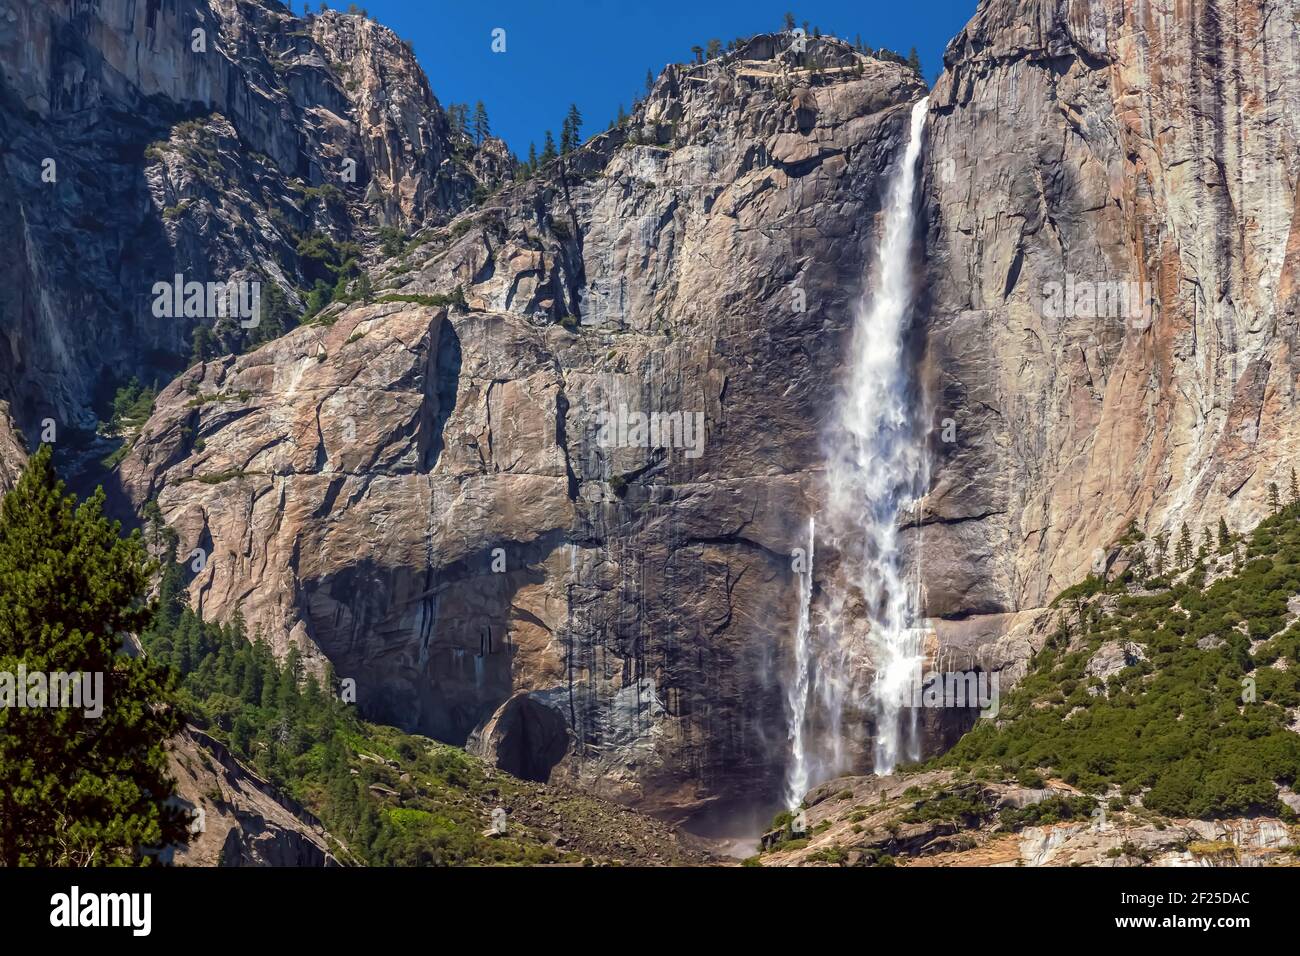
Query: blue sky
x: 596, y: 52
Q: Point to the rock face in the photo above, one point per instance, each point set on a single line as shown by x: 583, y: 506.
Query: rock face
x: 1076, y: 143
x: 240, y: 819
x: 452, y: 504
x: 525, y: 738
x: 567, y: 449
x: 193, y: 138
x: 13, y: 453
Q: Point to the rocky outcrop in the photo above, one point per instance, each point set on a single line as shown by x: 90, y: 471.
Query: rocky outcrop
x: 1079, y: 148
x: 439, y: 498
x: 238, y: 818
x: 13, y: 452
x: 198, y: 138
x: 525, y: 738
x: 895, y: 820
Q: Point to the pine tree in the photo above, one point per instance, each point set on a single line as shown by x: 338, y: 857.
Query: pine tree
x: 1141, y: 570
x: 481, y: 128
x: 201, y: 349
x: 1161, y: 548
x: 1274, y: 499
x: 1225, y: 537
x: 548, y: 148
x: 789, y: 22
x: 532, y: 158
x: 571, y: 131
x: 1295, y: 489
x: 1185, y: 547
x: 79, y: 789
x: 365, y: 289
x: 456, y: 114
x: 274, y: 315
x: 914, y: 60
x: 649, y: 81
x: 1207, y: 544
x: 713, y: 49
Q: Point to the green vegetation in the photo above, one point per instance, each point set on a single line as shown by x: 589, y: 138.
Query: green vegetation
x: 833, y: 854
x: 1199, y: 727
x: 392, y: 242
x: 198, y: 401
x: 79, y: 788
x: 327, y: 193
x: 227, y: 336
x: 571, y: 130
x: 1054, y: 809
x: 962, y: 808
x: 131, y: 408
x: 175, y: 212
x: 335, y: 272
x: 390, y: 797
x: 436, y: 300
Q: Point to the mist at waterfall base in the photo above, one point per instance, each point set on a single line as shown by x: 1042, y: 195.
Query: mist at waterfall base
x: 875, y: 470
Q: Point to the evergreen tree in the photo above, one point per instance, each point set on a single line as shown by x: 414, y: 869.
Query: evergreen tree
x: 548, y: 148
x: 1141, y: 570
x: 789, y: 22
x: 275, y: 316
x: 1295, y: 489
x: 1207, y: 544
x: 365, y: 289
x: 713, y: 49
x: 201, y: 349
x: 458, y: 117
x: 481, y: 128
x: 914, y: 60
x: 1274, y: 499
x: 76, y: 788
x: 1225, y: 537
x: 532, y: 158
x: 571, y: 131
x: 649, y: 81
x: 1161, y: 549
x: 1185, y: 547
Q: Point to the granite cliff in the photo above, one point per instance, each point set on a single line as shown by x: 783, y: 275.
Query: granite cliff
x: 420, y: 490
x: 1147, y: 149
x: 423, y: 489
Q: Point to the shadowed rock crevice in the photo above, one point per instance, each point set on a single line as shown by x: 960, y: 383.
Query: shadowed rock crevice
x: 524, y: 737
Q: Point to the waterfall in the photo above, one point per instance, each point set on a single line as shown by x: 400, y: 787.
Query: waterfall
x: 798, y: 772
x: 875, y: 470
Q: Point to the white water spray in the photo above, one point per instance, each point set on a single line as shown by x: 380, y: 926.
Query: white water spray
x: 875, y: 472
x: 799, y: 771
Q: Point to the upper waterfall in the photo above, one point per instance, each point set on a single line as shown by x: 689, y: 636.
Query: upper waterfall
x: 875, y: 470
